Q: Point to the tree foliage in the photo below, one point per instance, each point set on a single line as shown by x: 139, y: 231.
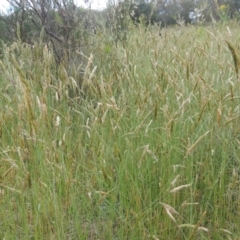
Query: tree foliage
x: 168, y: 12
x: 66, y: 26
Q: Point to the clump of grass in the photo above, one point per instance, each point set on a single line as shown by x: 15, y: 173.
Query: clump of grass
x: 145, y: 146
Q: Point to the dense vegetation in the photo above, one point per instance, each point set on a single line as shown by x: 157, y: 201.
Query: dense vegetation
x: 121, y: 134
x: 146, y: 148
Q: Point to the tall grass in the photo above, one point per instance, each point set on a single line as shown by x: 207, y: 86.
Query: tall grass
x: 141, y: 142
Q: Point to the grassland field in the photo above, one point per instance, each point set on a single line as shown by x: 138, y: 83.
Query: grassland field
x: 139, y: 140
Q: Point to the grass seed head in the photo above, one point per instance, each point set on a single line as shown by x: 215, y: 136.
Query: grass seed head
x: 236, y: 57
